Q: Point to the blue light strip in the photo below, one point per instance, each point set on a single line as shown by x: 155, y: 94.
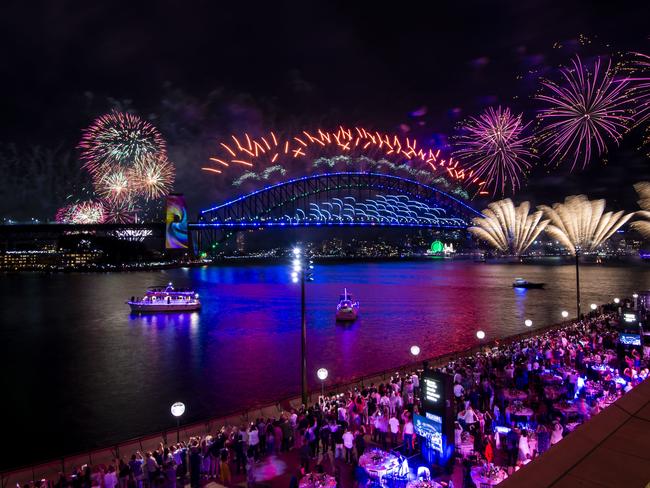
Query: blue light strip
x: 253, y: 225
x: 348, y: 173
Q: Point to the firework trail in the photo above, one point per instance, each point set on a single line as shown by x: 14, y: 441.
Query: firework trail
x: 507, y: 228
x: 254, y: 154
x: 582, y: 115
x: 496, y: 149
x: 119, y: 138
x: 581, y: 225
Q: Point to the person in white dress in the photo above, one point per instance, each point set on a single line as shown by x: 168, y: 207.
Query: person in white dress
x: 524, y: 447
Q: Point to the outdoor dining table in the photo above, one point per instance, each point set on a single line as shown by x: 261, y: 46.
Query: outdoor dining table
x: 479, y: 477
x: 553, y: 392
x: 378, y: 463
x: 518, y: 412
x: 511, y: 394
x: 317, y: 480
x: 423, y: 484
x: 549, y: 378
x: 566, y: 408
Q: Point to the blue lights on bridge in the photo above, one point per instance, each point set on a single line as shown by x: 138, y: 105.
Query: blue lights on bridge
x: 341, y: 199
x: 344, y: 173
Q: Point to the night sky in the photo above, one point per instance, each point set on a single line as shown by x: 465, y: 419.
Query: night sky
x: 201, y: 70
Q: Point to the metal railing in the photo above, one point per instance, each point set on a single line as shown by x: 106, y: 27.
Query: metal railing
x: 50, y: 469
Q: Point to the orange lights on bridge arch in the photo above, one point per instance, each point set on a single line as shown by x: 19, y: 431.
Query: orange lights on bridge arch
x: 268, y: 149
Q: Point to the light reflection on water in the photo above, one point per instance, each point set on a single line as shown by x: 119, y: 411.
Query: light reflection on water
x: 91, y: 373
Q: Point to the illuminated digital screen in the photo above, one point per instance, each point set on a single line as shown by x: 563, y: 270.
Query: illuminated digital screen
x: 429, y: 427
x: 176, y: 236
x: 432, y: 391
x: 630, y: 339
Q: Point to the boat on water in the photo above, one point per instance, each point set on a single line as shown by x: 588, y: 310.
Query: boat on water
x: 522, y: 283
x: 347, y: 309
x: 165, y: 299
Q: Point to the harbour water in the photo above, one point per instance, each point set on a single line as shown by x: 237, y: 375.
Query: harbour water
x: 87, y: 373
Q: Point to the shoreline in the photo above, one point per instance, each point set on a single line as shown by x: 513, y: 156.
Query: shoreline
x: 262, y: 408
x: 253, y: 260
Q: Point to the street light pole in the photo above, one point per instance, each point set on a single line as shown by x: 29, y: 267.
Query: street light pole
x: 303, y: 345
x: 578, y: 282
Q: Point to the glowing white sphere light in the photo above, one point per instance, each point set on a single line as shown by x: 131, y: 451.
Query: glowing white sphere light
x: 565, y: 314
x: 528, y: 322
x: 178, y: 409
x: 617, y: 300
x: 593, y: 306
x: 415, y: 350
x: 322, y: 374
x: 480, y: 334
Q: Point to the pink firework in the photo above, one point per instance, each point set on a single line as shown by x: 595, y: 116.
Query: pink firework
x: 119, y: 138
x: 121, y: 212
x: 88, y: 212
x: 582, y: 115
x: 494, y: 147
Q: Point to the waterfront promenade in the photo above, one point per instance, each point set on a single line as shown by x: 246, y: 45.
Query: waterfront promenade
x: 106, y: 456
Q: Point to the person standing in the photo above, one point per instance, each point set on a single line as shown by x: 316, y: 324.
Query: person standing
x: 512, y: 446
x: 348, y: 444
x: 393, y: 424
x: 408, y: 434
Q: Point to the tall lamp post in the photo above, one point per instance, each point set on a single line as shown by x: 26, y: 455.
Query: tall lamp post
x: 578, y: 281
x: 302, y: 271
x: 322, y: 376
x: 178, y: 409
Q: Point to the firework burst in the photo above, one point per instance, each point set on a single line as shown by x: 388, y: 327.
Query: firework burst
x: 582, y: 115
x: 88, y: 212
x: 121, y: 212
x: 495, y: 148
x: 119, y: 138
x: 643, y: 226
x: 114, y: 184
x: 581, y: 225
x: 152, y: 176
x: 508, y: 229
x: 640, y: 86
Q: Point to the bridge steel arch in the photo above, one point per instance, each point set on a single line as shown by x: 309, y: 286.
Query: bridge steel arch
x: 278, y: 204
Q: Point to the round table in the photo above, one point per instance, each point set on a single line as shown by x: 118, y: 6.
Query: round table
x: 521, y: 412
x: 477, y: 474
x: 423, y: 484
x: 565, y: 408
x: 317, y: 480
x: 512, y: 394
x: 378, y: 463
x: 549, y: 378
x: 553, y: 392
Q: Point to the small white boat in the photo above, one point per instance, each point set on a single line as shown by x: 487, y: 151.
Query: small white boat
x: 347, y: 310
x: 522, y: 283
x: 165, y: 299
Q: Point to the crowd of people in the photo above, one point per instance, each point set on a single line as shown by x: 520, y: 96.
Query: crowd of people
x: 512, y: 403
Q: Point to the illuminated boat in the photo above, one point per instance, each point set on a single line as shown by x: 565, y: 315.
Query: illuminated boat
x: 347, y: 310
x: 165, y: 299
x: 522, y: 283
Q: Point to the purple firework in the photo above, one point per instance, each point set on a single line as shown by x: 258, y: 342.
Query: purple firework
x: 583, y: 114
x: 495, y: 148
x: 640, y: 87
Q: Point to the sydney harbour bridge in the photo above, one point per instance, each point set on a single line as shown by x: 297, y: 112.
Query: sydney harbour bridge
x: 337, y: 199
